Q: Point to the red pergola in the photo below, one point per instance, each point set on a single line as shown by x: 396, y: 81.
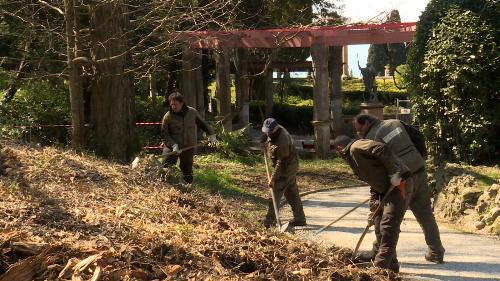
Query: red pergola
x: 327, y: 51
x: 302, y: 37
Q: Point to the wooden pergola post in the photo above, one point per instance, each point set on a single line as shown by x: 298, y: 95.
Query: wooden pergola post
x: 198, y: 80
x: 336, y: 72
x: 321, y: 100
x: 223, y: 87
x: 268, y: 90
x: 242, y: 86
x: 188, y: 76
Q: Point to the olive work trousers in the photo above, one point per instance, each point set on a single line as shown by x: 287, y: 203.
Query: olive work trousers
x: 387, y: 224
x: 185, y: 163
x: 286, y: 186
x: 420, y: 205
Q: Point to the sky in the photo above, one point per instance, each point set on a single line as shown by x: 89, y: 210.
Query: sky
x: 363, y: 11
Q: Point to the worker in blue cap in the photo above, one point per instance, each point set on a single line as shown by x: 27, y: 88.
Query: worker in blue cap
x: 283, y: 181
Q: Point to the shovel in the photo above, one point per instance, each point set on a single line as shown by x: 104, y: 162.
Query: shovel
x: 284, y: 227
x: 341, y: 217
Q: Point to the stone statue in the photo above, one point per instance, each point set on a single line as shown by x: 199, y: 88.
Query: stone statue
x: 369, y: 74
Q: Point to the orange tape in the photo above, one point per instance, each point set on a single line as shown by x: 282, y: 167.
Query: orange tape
x: 402, y: 189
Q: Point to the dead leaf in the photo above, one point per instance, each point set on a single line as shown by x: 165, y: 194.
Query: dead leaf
x: 173, y: 269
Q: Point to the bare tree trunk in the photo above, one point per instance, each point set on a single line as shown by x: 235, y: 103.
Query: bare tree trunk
x: 11, y: 91
x: 336, y: 79
x: 188, y: 85
x: 223, y: 86
x: 112, y: 104
x: 321, y: 118
x: 75, y: 78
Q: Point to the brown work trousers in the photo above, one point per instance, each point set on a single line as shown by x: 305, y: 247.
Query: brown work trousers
x: 287, y: 186
x: 185, y: 163
x: 387, y: 225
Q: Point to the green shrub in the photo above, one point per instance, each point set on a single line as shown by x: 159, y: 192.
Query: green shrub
x: 149, y: 135
x: 40, y: 103
x: 293, y: 117
x: 460, y: 99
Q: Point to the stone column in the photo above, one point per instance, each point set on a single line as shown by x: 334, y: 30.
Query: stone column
x: 336, y: 75
x: 321, y: 116
x: 375, y: 109
x: 345, y: 62
x: 223, y: 87
x: 188, y: 76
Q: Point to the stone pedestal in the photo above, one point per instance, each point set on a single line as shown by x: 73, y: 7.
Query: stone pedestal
x: 375, y: 109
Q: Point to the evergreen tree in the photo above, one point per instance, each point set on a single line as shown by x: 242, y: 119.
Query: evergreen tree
x: 380, y: 55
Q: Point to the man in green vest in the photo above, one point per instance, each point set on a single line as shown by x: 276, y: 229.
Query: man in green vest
x: 285, y: 160
x: 393, y: 133
x: 179, y: 129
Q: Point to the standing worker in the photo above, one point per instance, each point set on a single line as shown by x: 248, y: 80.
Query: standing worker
x: 285, y: 160
x: 393, y: 133
x: 374, y: 163
x: 179, y: 131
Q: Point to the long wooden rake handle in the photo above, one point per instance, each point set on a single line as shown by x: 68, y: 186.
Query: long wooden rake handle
x: 273, y: 197
x: 379, y: 208
x: 341, y: 217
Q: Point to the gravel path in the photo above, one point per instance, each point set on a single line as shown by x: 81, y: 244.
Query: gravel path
x: 468, y: 256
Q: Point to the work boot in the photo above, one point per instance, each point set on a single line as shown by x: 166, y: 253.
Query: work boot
x: 297, y: 222
x: 434, y: 257
x: 364, y: 256
x: 268, y: 222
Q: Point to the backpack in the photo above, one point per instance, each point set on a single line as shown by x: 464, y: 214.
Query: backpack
x: 417, y: 138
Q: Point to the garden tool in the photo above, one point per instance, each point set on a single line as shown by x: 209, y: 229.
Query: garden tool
x: 341, y: 217
x: 166, y: 154
x: 372, y: 215
x: 284, y: 227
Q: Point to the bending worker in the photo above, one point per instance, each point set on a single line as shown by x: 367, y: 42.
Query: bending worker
x: 285, y: 160
x: 392, y: 132
x: 179, y: 131
x: 375, y: 164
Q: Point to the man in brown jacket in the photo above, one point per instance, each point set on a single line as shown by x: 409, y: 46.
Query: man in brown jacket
x: 374, y: 163
x: 393, y: 133
x: 285, y: 160
x: 179, y: 131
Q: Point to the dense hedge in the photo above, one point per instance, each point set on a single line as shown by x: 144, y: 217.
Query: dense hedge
x: 298, y: 117
x: 454, y: 81
x: 459, y: 106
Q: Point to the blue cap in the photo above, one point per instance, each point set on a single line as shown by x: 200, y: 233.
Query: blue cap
x: 269, y: 125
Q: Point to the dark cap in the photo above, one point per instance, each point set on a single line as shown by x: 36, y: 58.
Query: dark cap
x: 342, y: 140
x: 269, y: 125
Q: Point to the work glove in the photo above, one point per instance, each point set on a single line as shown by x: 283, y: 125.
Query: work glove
x: 175, y: 148
x: 212, y: 138
x: 395, y: 179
